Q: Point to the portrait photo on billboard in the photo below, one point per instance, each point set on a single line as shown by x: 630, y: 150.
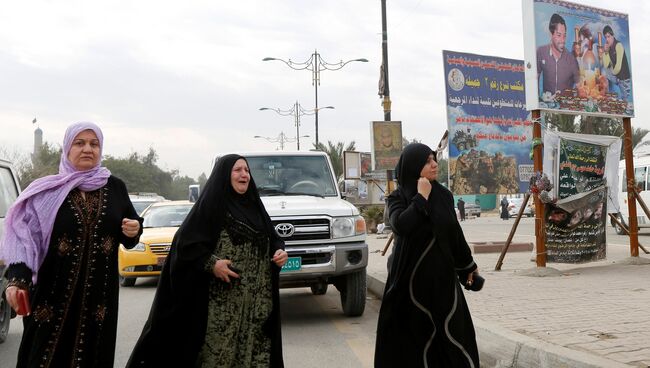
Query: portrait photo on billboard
x: 577, y: 58
x: 386, y: 144
x: 490, y: 132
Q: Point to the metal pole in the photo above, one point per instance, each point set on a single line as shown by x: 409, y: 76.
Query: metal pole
x: 538, y: 156
x: 384, y: 45
x: 631, y: 188
x: 282, y: 137
x: 316, y: 81
x: 297, y: 117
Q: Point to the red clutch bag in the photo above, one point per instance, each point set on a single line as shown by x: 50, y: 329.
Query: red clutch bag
x: 22, y: 297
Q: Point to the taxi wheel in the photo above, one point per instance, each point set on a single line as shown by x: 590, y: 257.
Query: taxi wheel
x: 127, y: 281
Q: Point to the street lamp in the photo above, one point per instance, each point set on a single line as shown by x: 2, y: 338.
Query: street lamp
x: 296, y: 111
x: 315, y: 64
x: 281, y: 138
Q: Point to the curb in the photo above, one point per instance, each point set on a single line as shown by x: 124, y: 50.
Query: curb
x: 502, y: 348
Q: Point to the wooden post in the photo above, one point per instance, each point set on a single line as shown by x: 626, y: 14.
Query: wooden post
x: 512, y: 233
x: 631, y: 188
x: 538, y: 159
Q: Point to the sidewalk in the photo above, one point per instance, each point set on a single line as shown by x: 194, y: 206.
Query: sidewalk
x: 592, y: 315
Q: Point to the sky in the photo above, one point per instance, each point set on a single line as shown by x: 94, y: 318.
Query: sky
x: 187, y: 78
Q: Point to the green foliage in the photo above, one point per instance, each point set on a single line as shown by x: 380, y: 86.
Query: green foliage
x: 141, y: 174
x: 44, y: 162
x: 593, y: 125
x: 373, y: 215
x: 335, y: 152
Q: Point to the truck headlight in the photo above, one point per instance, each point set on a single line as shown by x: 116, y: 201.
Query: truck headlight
x: 348, y: 226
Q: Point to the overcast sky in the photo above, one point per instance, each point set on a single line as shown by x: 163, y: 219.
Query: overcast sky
x: 187, y: 78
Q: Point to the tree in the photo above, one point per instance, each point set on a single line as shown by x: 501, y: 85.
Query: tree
x: 335, y: 152
x: 405, y: 141
x: 44, y: 162
x: 594, y: 125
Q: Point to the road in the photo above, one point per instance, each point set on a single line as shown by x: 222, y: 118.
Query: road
x: 315, y: 332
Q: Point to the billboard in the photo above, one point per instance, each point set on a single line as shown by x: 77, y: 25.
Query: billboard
x: 490, y: 135
x: 577, y: 58
x: 386, y: 137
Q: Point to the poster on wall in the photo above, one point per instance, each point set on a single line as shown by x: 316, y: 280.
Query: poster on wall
x: 575, y: 228
x: 577, y: 163
x: 577, y: 58
x: 490, y: 133
x: 386, y: 137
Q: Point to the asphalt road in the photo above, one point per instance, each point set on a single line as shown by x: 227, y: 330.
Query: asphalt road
x: 315, y: 331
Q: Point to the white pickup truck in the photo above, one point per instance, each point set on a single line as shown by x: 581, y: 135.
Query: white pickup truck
x: 324, y: 234
x: 9, y: 190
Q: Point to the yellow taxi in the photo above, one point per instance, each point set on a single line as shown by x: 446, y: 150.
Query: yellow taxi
x: 161, y: 220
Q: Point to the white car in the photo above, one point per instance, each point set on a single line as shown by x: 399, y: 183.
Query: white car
x: 514, y: 204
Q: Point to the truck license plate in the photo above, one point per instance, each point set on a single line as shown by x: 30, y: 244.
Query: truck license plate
x: 293, y: 264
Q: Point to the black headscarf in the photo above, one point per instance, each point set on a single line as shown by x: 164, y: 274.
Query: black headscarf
x: 410, y: 164
x: 174, y: 332
x: 408, y: 169
x: 200, y: 231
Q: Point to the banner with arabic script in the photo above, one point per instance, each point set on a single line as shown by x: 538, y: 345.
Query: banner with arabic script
x: 575, y: 228
x: 490, y: 134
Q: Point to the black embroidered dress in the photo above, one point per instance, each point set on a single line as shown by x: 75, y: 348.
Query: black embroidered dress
x: 75, y: 300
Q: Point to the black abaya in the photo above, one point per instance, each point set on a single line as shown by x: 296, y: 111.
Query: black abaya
x: 424, y: 320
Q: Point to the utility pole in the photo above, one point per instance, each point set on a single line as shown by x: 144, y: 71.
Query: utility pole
x: 384, y: 88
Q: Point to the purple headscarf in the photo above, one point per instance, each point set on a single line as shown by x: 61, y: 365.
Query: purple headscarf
x: 29, y: 221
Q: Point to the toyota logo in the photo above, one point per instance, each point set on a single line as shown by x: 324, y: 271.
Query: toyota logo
x: 284, y: 230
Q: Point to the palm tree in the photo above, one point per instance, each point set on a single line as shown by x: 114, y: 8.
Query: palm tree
x: 335, y: 152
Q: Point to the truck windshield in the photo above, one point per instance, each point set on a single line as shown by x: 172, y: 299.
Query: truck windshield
x: 292, y: 175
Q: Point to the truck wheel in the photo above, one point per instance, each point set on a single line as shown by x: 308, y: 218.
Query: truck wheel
x: 353, y: 293
x: 5, y: 317
x: 319, y: 288
x: 127, y: 281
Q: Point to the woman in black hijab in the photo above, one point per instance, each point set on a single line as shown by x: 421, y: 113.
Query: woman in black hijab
x: 424, y: 320
x: 217, y: 303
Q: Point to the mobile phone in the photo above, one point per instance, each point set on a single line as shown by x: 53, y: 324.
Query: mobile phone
x: 24, y: 308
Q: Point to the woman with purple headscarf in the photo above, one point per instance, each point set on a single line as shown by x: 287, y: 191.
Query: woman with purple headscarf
x: 60, y: 242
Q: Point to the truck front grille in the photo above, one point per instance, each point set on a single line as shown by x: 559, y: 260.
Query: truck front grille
x: 306, y: 229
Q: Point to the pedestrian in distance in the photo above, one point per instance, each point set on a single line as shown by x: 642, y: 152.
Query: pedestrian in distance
x: 217, y: 302
x: 60, y: 242
x: 424, y: 320
x: 461, y: 209
x: 504, y: 208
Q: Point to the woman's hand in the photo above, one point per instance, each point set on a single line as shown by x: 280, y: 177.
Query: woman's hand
x: 424, y: 187
x: 470, y: 277
x: 21, y: 308
x: 222, y: 271
x: 130, y: 228
x: 280, y: 257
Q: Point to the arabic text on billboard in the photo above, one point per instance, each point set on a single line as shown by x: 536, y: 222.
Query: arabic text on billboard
x: 490, y: 133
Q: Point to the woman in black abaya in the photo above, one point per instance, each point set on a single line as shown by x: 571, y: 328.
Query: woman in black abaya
x: 424, y: 320
x: 217, y: 303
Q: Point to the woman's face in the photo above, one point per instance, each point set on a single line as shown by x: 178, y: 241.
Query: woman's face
x: 84, y: 152
x: 240, y: 176
x: 430, y: 169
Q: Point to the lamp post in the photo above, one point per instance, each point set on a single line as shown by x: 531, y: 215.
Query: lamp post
x: 296, y: 111
x: 315, y: 64
x: 281, y: 138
